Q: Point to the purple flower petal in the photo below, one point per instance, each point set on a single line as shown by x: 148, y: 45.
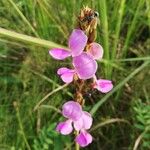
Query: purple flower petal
x: 95, y: 50
x: 85, y: 122
x: 84, y: 139
x: 65, y: 127
x: 104, y: 85
x: 62, y: 70
x: 72, y: 110
x: 77, y: 42
x: 66, y: 74
x: 67, y: 77
x: 85, y: 66
x: 78, y: 124
x: 59, y: 53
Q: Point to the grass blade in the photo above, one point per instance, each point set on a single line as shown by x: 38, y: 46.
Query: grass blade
x: 132, y: 27
x: 49, y: 94
x: 109, y: 121
x: 117, y: 28
x: 105, y: 36
x: 42, y: 5
x: 23, y: 18
x: 26, y: 38
x: 130, y: 76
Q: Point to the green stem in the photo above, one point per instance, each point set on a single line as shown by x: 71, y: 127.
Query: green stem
x: 21, y: 126
x: 77, y: 146
x: 49, y: 94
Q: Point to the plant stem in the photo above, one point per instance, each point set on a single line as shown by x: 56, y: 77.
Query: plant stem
x: 49, y: 94
x: 77, y: 147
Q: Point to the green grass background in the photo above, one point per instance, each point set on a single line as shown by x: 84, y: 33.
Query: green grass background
x: 28, y: 74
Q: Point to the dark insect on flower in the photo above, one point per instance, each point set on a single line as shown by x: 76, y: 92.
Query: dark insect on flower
x: 89, y: 95
x: 90, y: 17
x: 87, y: 21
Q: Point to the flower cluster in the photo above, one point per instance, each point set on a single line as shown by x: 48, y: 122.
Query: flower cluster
x: 84, y: 66
x: 81, y: 121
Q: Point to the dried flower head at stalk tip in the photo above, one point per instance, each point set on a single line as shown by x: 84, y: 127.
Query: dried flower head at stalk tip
x: 87, y: 21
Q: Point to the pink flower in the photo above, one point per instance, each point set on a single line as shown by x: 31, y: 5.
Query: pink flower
x: 84, y: 66
x: 84, y: 63
x: 83, y: 124
x: 103, y: 85
x: 81, y: 120
x: 84, y: 138
x: 72, y: 111
x: 77, y: 43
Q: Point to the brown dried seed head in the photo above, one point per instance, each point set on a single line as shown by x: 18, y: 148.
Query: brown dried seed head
x: 87, y: 21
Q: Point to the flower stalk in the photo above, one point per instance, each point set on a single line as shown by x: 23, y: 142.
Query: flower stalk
x: 84, y: 53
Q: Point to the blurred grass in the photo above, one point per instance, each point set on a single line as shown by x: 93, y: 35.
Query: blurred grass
x: 28, y: 28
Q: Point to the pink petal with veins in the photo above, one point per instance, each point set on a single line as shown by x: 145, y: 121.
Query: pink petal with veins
x: 66, y: 74
x: 85, y: 66
x: 59, y: 53
x: 85, y: 122
x: 72, y: 110
x: 84, y: 139
x: 65, y: 127
x: 103, y: 85
x: 67, y: 77
x: 95, y: 50
x: 77, y: 42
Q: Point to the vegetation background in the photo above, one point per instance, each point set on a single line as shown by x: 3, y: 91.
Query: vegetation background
x: 28, y: 74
